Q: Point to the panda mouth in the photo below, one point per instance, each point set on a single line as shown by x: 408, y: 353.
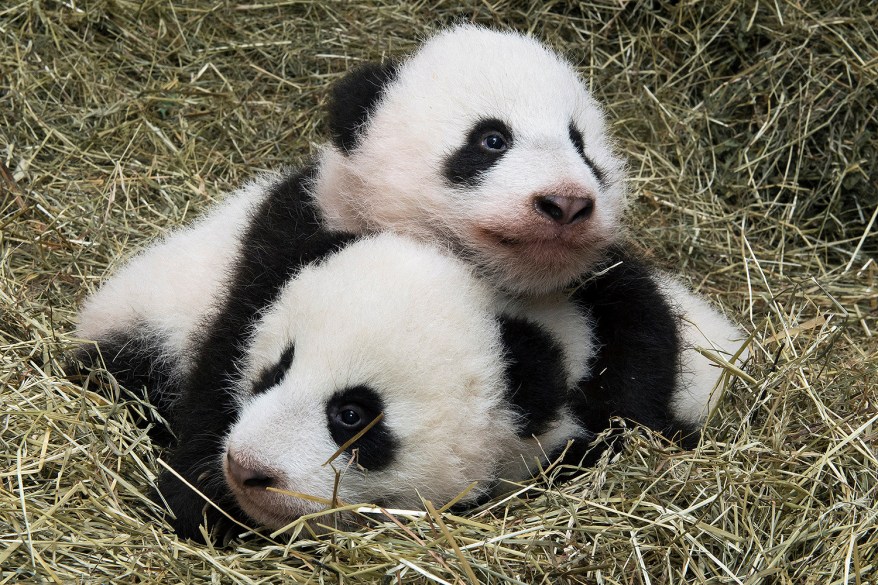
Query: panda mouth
x: 269, y: 508
x: 273, y: 510
x: 556, y: 240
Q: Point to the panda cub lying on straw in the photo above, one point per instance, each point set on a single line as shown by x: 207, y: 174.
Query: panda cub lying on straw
x: 486, y: 144
x: 387, y: 327
x: 308, y: 343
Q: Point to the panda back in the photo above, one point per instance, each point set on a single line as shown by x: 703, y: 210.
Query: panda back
x: 144, y: 315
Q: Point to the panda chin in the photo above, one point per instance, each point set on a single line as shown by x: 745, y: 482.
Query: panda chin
x: 533, y: 264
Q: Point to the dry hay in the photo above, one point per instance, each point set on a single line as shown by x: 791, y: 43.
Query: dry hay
x: 751, y: 131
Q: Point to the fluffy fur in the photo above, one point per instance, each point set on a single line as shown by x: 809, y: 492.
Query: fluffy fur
x: 144, y: 316
x: 699, y: 382
x: 387, y: 170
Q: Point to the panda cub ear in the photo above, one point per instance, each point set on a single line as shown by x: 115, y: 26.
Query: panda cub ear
x: 535, y: 374
x: 353, y: 99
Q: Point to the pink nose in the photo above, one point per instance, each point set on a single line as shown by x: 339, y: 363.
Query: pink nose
x: 564, y: 210
x: 247, y: 476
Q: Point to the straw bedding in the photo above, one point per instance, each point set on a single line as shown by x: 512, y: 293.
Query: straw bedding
x: 751, y: 133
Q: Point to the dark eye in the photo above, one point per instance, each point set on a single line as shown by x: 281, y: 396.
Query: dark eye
x: 348, y: 413
x: 494, y: 141
x: 351, y: 416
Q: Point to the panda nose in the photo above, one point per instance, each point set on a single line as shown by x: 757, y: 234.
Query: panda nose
x: 246, y: 476
x: 564, y: 210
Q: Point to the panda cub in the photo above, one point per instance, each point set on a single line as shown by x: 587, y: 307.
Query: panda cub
x: 482, y: 139
x: 297, y: 337
x: 387, y: 326
x: 488, y: 142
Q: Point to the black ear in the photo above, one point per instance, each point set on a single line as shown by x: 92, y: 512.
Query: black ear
x: 535, y: 374
x: 352, y: 100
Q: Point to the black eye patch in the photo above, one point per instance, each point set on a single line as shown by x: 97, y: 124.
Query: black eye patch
x: 486, y: 143
x: 273, y: 376
x: 576, y: 139
x: 348, y: 412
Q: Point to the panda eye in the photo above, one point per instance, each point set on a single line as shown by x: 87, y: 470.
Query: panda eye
x: 351, y: 416
x: 355, y: 420
x: 494, y: 141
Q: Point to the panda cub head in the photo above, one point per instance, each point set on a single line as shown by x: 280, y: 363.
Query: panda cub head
x: 484, y: 140
x: 391, y: 327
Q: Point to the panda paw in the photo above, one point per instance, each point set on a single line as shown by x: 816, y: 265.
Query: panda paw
x: 195, y: 515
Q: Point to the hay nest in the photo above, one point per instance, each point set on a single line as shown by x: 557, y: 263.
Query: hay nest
x: 751, y: 132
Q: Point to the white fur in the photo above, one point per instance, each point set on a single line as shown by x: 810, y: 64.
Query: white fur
x: 167, y: 288
x: 394, y: 180
x: 415, y: 326
x: 702, y: 327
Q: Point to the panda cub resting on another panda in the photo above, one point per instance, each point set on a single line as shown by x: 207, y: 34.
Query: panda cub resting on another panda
x: 489, y: 143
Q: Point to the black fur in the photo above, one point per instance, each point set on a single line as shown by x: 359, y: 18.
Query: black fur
x: 481, y: 499
x: 376, y: 449
x: 467, y: 164
x: 535, y: 374
x: 637, y: 364
x: 285, y: 233
x: 273, y: 376
x: 576, y: 139
x: 353, y: 99
x: 134, y: 359
x: 584, y: 450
